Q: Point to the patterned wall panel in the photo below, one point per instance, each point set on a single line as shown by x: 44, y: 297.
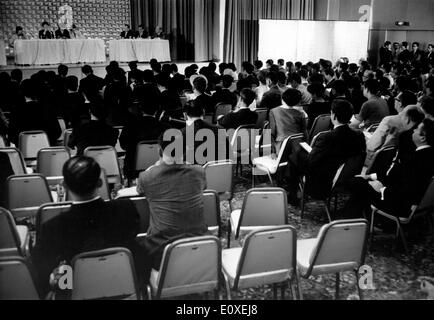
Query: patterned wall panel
x: 96, y: 18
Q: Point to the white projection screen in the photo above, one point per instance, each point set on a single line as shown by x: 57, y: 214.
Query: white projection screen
x: 304, y: 41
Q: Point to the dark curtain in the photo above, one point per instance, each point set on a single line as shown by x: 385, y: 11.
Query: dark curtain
x: 188, y: 24
x: 242, y: 24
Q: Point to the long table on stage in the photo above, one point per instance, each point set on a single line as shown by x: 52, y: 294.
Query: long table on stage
x: 40, y: 52
x: 2, y: 53
x: 142, y: 50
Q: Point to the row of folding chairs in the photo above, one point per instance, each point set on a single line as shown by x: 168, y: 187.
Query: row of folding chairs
x: 269, y: 256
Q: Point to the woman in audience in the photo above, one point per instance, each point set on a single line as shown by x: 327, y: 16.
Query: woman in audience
x: 319, y: 105
x: 286, y: 121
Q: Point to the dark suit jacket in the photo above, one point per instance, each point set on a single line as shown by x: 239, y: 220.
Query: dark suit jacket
x: 46, y: 34
x: 31, y: 116
x: 330, y: 151
x: 207, y: 102
x: 225, y: 96
x: 5, y: 172
x: 271, y: 99
x: 171, y: 103
x: 93, y: 134
x: 62, y: 34
x: 75, y: 110
x: 235, y: 120
x: 386, y: 56
x: 144, y: 35
x: 92, y: 226
x: 149, y: 96
x: 177, y: 83
x: 129, y: 35
x: 405, y: 56
x: 138, y: 129
x: 162, y: 35
x: 91, y: 84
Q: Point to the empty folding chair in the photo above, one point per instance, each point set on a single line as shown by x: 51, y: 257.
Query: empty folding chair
x: 16, y: 159
x: 424, y: 209
x: 104, y: 274
x: 48, y: 212
x: 339, y: 247
x: 189, y: 266
x: 219, y: 175
x: 16, y: 280
x: 50, y: 163
x: 107, y: 158
x: 261, y: 208
x: 269, y: 166
x: 242, y: 142
x: 14, y: 240
x: 211, y: 211
x: 268, y: 256
x: 25, y: 194
x: 321, y: 123
x: 147, y: 154
x: 30, y: 142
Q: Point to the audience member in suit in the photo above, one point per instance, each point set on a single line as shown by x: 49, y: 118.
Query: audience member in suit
x: 94, y: 133
x: 223, y: 95
x: 134, y: 69
x: 403, y: 186
x: 91, y: 224
x: 374, y: 110
x: 33, y: 115
x: 141, y: 126
x: 90, y: 84
x: 174, y: 192
x: 285, y: 120
x: 5, y: 172
x: 128, y: 33
x: 62, y: 33
x: 194, y: 113
x: 170, y: 103
x: 330, y: 77
x: 200, y: 83
x: 75, y: 110
x: 46, y: 33
x: 416, y: 53
x: 273, y: 97
x: 319, y: 105
x: 296, y: 83
x: 149, y: 93
x: 117, y: 98
x: 404, y: 56
x: 386, y: 55
x: 329, y: 152
x: 177, y: 81
x: 357, y: 97
x: 142, y: 34
x: 243, y: 115
x: 159, y: 34
x: 430, y: 56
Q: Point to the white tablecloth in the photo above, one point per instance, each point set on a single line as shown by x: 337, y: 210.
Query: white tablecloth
x: 142, y: 50
x: 38, y: 52
x: 2, y: 53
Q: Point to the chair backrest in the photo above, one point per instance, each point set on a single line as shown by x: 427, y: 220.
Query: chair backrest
x: 352, y: 167
x: 48, y: 212
x: 103, y: 191
x: 219, y: 175
x: 147, y: 154
x: 107, y: 158
x: 9, y: 239
x: 264, y: 207
x: 290, y: 145
x: 62, y: 126
x: 321, y: 123
x: 105, y: 274
x: 142, y: 207
x: 427, y: 202
x: 314, y: 140
x: 341, y: 242
x: 3, y: 142
x: 269, y: 255
x: 30, y: 142
x: 262, y: 118
x: 16, y: 159
x: 211, y: 209
x: 243, y: 139
x: 191, y: 265
x: 222, y: 110
x: 118, y: 147
x: 27, y: 191
x: 382, y: 161
x: 66, y: 135
x: 16, y: 281
x: 51, y: 160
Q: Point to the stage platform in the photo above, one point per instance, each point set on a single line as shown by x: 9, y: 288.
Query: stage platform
x: 98, y: 68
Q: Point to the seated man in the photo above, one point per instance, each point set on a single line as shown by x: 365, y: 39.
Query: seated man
x: 174, y: 191
x: 127, y: 33
x: 90, y: 224
x: 403, y: 186
x: 329, y: 152
x: 223, y: 95
x: 242, y: 116
x: 159, y: 34
x: 94, y: 133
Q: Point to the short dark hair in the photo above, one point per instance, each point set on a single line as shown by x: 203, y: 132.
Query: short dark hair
x: 137, y: 75
x: 45, y: 23
x: 408, y: 98
x: 262, y: 76
x: 194, y: 109
x: 292, y: 97
x: 273, y: 76
x: 141, y: 26
x: 18, y: 29
x: 282, y: 77
x: 127, y: 25
x: 415, y: 115
x: 281, y: 62
x: 416, y: 43
x: 248, y: 96
x: 427, y: 104
x: 174, y: 67
x: 303, y: 73
x: 295, y: 77
x: 28, y: 87
x: 71, y: 83
x: 258, y: 64
x: 17, y: 75
x: 387, y: 43
x: 81, y: 175
x: 343, y: 110
x: 270, y: 62
x: 227, y: 81
x: 62, y: 70
x: 317, y: 89
x: 329, y: 72
x: 86, y: 69
x: 340, y: 87
x: 163, y: 79
x: 200, y: 84
x: 373, y: 86
x: 97, y: 108
x: 405, y: 44
x: 148, y: 76
x: 428, y: 131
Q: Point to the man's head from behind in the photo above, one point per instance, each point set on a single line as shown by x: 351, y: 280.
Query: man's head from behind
x: 342, y: 112
x: 82, y: 178
x: 171, y: 145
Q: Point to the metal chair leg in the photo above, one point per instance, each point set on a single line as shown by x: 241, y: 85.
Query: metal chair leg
x: 274, y: 291
x: 327, y: 208
x: 357, y: 284
x: 372, y: 226
x: 228, y: 288
x: 404, y: 241
x: 229, y: 234
x: 282, y: 291
x: 338, y: 282
x: 300, y: 292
